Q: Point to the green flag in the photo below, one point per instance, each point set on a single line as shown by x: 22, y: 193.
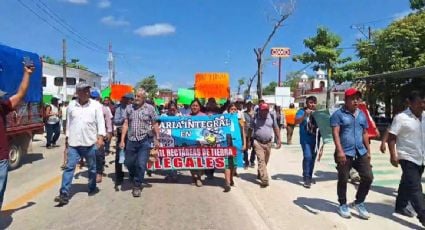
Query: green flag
x: 47, y: 98
x: 106, y: 92
x: 185, y: 96
x: 159, y: 101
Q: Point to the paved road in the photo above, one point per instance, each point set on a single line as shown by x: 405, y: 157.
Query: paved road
x: 284, y: 205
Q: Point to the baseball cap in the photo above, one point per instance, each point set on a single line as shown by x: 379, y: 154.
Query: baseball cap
x: 264, y: 106
x: 2, y: 93
x: 352, y: 91
x: 82, y: 85
x: 128, y: 96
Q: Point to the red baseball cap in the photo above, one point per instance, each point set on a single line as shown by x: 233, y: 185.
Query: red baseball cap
x: 352, y: 91
x: 264, y: 106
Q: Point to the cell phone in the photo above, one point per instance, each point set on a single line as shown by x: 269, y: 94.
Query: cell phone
x: 28, y: 62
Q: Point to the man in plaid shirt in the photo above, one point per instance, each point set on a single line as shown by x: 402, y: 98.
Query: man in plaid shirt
x: 142, y: 127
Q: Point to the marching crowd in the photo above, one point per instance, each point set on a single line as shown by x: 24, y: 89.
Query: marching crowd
x: 89, y: 125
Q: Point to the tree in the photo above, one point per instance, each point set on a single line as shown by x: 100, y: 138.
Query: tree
x: 283, y: 11
x: 251, y: 80
x: 270, y: 89
x: 241, y: 82
x: 149, y: 85
x: 417, y: 4
x: 48, y: 59
x: 324, y: 53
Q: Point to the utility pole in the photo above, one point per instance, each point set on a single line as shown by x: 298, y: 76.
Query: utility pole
x: 64, y: 70
x: 111, y: 66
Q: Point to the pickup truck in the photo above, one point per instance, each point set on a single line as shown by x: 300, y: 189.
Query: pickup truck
x: 27, y: 119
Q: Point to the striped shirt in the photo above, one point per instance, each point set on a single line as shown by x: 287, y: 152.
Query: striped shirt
x: 140, y: 121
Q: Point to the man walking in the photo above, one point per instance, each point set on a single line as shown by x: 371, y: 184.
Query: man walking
x: 263, y: 126
x: 53, y: 128
x: 6, y: 106
x: 84, y: 135
x: 308, y: 138
x: 119, y: 118
x: 349, y: 130
x: 407, y: 133
x: 141, y: 125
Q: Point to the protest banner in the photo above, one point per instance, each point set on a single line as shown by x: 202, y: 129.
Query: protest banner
x: 322, y: 118
x: 198, y: 142
x: 371, y: 130
x: 119, y: 90
x: 214, y: 85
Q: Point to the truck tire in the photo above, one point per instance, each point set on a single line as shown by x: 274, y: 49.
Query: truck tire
x: 15, y: 156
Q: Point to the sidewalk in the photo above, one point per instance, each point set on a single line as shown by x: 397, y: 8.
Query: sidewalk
x: 321, y: 200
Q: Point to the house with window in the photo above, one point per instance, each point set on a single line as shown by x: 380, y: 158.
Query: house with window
x: 53, y: 81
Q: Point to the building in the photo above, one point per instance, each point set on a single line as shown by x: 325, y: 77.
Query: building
x: 53, y: 80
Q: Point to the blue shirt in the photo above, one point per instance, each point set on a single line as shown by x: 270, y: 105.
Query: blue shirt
x: 305, y: 136
x: 120, y: 115
x: 352, y: 127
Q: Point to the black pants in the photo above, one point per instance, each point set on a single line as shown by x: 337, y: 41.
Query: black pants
x: 119, y: 174
x: 100, y: 160
x: 410, y: 188
x: 251, y: 158
x: 362, y: 165
x: 53, y: 132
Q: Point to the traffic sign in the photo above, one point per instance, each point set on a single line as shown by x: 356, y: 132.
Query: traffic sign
x: 280, y: 52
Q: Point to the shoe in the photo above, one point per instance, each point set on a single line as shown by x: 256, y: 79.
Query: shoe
x: 119, y: 180
x: 198, y: 183
x: 227, y: 188
x: 344, y: 211
x: 361, y: 209
x: 232, y: 183
x: 245, y: 167
x: 307, y: 183
x: 62, y: 199
x: 149, y: 173
x: 137, y: 192
x: 252, y: 165
x: 146, y: 185
x: 405, y: 212
x: 93, y: 191
x: 264, y: 184
x: 98, y: 178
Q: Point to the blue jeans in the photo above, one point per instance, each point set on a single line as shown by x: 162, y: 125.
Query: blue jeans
x: 136, y: 159
x: 4, y: 164
x: 309, y: 159
x: 74, y: 155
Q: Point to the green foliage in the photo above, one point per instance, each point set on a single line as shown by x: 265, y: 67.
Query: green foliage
x: 270, y: 89
x: 72, y: 64
x: 48, y: 59
x: 417, y: 4
x: 324, y: 51
x: 149, y: 85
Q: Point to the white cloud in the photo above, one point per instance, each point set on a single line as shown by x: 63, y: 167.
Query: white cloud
x: 104, y: 4
x: 112, y: 21
x: 155, y: 30
x: 79, y: 2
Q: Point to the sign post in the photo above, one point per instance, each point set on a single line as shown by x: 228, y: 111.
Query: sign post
x: 280, y: 52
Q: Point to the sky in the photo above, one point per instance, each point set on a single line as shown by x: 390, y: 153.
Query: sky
x: 174, y: 39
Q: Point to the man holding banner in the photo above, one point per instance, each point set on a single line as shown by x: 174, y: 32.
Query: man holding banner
x: 142, y: 127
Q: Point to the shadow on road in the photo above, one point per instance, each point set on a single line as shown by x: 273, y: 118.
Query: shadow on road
x: 6, y: 216
x: 298, y: 180
x: 249, y: 177
x: 32, y: 157
x: 317, y: 205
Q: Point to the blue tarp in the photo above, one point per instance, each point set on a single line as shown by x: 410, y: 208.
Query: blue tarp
x: 11, y: 71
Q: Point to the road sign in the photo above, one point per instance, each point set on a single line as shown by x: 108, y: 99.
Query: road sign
x: 280, y: 52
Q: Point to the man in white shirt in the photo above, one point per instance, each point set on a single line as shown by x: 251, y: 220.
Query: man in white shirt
x: 84, y: 135
x: 407, y: 132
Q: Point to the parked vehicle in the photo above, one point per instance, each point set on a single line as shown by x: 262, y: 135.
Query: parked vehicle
x: 27, y: 119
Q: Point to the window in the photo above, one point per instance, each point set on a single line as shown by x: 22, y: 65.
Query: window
x: 69, y: 81
x: 82, y: 80
x: 44, y: 81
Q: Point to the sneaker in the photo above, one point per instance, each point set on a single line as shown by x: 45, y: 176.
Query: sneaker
x: 252, y: 165
x: 344, y: 211
x: 62, y: 199
x: 307, y: 183
x: 137, y: 192
x: 93, y: 191
x: 404, y: 211
x: 361, y: 209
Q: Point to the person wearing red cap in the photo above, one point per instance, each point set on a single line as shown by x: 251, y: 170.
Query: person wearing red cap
x: 263, y: 125
x: 349, y: 129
